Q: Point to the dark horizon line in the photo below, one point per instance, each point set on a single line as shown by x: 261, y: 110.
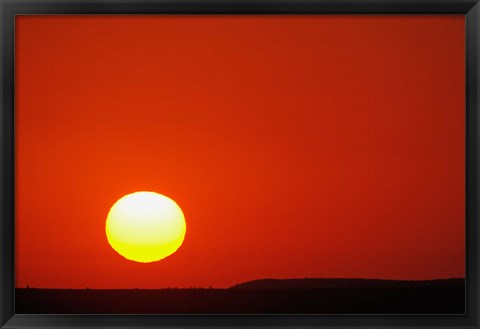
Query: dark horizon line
x: 254, y: 280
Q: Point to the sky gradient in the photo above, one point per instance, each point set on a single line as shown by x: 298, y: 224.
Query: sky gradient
x: 296, y: 146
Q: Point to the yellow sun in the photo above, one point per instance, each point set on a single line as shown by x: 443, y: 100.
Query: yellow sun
x: 145, y: 226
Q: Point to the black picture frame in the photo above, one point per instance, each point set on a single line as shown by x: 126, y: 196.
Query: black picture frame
x: 10, y: 8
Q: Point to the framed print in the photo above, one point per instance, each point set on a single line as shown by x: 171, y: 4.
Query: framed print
x: 258, y: 164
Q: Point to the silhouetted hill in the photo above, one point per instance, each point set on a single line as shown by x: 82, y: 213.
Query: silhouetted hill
x: 290, y: 296
x: 327, y: 283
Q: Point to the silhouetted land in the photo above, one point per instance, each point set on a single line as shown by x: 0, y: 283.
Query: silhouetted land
x: 269, y: 296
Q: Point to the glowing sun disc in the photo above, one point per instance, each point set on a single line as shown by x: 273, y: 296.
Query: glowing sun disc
x: 145, y: 227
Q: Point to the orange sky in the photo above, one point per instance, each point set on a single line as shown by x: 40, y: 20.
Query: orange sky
x: 297, y: 146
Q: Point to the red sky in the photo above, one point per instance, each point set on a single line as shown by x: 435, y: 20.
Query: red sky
x: 297, y: 146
